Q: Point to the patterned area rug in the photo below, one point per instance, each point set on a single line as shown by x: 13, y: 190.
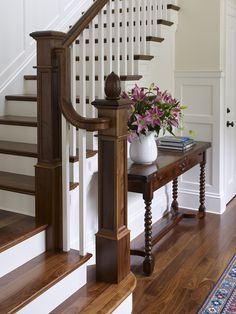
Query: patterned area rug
x: 222, y: 299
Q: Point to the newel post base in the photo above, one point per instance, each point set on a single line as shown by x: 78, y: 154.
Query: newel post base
x: 113, y: 237
x: 48, y: 171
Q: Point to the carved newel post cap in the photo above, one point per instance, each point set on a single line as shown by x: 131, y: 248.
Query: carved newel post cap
x: 112, y: 87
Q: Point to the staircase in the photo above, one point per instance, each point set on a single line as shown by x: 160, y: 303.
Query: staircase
x: 39, y: 270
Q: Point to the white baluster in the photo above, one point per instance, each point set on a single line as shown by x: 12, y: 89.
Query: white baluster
x: 137, y: 34
x: 82, y: 149
x: 155, y: 17
x: 144, y: 27
x: 101, y: 55
x: 160, y: 11
x: 164, y: 8
x: 109, y: 37
x: 116, y: 50
x: 149, y: 17
x: 131, y: 37
x: 73, y: 141
x: 91, y: 83
x: 124, y: 50
x: 66, y: 184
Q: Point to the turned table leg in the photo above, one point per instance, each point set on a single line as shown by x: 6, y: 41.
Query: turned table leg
x: 174, y: 204
x: 202, y: 207
x: 149, y: 260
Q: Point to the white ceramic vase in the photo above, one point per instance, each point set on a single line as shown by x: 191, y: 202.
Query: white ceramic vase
x: 143, y: 150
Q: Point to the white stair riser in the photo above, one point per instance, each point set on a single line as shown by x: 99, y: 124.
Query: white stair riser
x: 58, y: 293
x: 22, y: 253
x: 21, y: 108
x: 30, y: 87
x: 17, y: 164
x: 18, y: 134
x: 17, y: 202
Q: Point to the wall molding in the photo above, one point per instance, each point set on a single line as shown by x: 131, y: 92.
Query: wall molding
x: 201, y: 92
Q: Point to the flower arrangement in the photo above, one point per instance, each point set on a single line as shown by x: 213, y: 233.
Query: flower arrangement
x: 152, y: 110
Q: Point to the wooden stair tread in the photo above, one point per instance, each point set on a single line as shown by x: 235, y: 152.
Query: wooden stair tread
x: 19, y: 149
x: 15, y: 228
x: 17, y: 183
x: 165, y: 22
x: 19, y: 120
x: 89, y: 153
x: 173, y: 7
x: 154, y: 39
x: 97, y: 297
x: 24, y: 97
x: 32, y: 77
x: 30, y: 280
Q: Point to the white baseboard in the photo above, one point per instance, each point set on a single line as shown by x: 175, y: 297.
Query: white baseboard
x: 22, y: 253
x: 58, y: 293
x: 190, y: 199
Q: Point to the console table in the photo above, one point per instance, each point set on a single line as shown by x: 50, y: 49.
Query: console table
x: 146, y: 179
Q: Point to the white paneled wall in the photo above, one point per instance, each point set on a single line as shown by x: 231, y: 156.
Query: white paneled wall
x: 201, y: 92
x: 18, y: 18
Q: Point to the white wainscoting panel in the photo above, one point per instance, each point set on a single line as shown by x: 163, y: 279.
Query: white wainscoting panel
x: 202, y: 93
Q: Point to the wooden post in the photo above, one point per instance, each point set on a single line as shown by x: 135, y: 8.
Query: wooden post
x: 48, y: 171
x: 113, y: 237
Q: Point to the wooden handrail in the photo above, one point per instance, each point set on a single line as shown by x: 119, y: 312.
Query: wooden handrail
x: 88, y: 124
x: 83, y: 22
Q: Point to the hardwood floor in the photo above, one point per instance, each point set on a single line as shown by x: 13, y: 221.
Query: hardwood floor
x: 189, y: 260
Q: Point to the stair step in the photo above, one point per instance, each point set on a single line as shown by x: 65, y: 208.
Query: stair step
x: 15, y: 228
x: 22, y: 97
x: 89, y: 153
x: 96, y: 41
x: 30, y: 77
x: 20, y: 183
x: 19, y: 149
x: 31, y: 280
x: 18, y: 120
x: 165, y: 22
x: 155, y: 39
x: 136, y: 57
x: 17, y: 183
x: 173, y: 7
x: 97, y: 297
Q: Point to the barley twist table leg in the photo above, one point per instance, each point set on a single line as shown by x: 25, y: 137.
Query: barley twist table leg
x: 149, y: 260
x: 175, y: 204
x: 202, y: 207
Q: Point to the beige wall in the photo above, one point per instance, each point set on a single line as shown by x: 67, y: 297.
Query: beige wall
x: 199, y: 35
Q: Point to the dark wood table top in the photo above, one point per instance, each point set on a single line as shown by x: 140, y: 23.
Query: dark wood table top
x: 165, y: 160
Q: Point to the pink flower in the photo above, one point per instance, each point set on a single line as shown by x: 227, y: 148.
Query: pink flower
x: 141, y: 123
x: 153, y: 116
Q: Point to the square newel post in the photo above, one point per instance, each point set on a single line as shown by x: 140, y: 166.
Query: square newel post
x: 48, y: 171
x: 113, y: 237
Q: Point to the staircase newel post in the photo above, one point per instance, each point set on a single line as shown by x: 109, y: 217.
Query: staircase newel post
x: 113, y: 237
x: 48, y: 171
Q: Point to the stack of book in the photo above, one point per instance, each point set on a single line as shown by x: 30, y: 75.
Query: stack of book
x: 177, y: 143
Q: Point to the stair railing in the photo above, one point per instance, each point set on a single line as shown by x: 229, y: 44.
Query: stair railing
x: 99, y: 35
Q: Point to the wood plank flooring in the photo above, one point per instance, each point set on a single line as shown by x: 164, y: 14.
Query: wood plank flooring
x: 189, y: 260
